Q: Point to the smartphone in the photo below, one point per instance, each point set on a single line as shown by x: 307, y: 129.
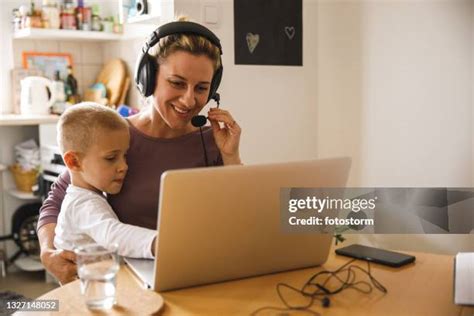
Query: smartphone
x: 385, y: 257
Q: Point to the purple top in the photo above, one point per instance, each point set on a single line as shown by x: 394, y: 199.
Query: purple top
x: 147, y: 158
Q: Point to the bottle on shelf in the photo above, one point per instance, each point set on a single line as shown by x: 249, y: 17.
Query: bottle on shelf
x: 80, y: 15
x: 59, y: 105
x: 34, y: 17
x: 72, y: 92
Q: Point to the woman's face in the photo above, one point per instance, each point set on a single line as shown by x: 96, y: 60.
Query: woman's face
x: 182, y: 90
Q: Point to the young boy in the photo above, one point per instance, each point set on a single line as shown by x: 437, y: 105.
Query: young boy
x: 94, y: 141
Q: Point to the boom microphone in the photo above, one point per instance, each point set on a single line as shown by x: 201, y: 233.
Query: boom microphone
x: 198, y: 120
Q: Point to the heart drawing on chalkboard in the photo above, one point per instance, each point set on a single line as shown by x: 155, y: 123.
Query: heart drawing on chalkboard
x: 252, y: 41
x: 290, y: 31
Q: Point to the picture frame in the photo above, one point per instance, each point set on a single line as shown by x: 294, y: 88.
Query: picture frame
x: 268, y: 32
x: 48, y: 63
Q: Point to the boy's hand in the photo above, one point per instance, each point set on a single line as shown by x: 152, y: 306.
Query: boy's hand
x: 60, y: 263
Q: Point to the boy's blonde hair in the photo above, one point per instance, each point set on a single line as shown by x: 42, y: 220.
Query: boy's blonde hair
x: 78, y: 125
x: 194, y: 44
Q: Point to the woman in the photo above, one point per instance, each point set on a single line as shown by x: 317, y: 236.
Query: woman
x: 162, y: 138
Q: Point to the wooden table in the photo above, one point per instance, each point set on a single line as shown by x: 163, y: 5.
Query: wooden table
x: 422, y: 288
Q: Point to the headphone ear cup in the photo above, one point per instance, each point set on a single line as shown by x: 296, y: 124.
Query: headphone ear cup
x: 216, y: 81
x: 145, y: 75
x: 149, y: 75
x: 152, y: 72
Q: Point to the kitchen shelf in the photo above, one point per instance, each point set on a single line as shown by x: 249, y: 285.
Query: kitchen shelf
x: 21, y: 119
x: 76, y: 35
x: 23, y: 195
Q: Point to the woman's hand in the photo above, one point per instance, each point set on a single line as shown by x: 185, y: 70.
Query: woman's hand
x: 61, y: 264
x: 227, y: 137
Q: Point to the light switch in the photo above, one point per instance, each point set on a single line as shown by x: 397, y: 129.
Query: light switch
x: 211, y: 14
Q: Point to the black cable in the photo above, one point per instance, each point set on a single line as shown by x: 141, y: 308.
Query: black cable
x: 204, y: 148
x: 216, y: 98
x: 316, y: 288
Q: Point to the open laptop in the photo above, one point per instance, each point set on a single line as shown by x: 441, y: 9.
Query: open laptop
x: 223, y: 223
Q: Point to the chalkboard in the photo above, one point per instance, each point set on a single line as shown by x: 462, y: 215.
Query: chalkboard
x: 268, y: 32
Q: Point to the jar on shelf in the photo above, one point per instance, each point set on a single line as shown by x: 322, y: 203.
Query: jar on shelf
x: 108, y: 24
x: 96, y: 24
x: 68, y: 17
x: 51, y: 14
x: 68, y: 21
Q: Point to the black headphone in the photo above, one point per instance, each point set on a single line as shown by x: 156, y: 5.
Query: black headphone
x: 147, y: 65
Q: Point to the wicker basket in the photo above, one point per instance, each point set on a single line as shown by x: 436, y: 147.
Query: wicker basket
x: 24, y: 180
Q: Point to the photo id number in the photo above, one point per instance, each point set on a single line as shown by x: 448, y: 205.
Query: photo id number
x: 32, y: 306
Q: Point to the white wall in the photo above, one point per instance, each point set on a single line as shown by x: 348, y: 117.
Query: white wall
x: 5, y: 55
x: 417, y: 93
x: 417, y: 104
x: 338, y: 38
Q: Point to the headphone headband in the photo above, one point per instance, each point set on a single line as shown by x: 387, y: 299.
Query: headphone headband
x: 182, y: 27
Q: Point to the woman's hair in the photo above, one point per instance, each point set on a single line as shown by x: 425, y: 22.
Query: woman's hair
x: 79, y: 125
x: 194, y: 44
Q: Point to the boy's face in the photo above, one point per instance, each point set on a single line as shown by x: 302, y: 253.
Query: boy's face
x: 103, y: 166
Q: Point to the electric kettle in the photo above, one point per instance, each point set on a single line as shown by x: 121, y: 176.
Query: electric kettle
x: 37, y: 95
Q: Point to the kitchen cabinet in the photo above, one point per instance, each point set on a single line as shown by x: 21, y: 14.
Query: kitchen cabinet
x: 15, y: 129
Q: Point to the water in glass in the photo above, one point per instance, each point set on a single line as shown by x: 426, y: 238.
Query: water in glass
x: 97, y: 270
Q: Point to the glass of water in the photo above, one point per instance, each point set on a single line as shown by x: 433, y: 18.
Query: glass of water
x: 97, y: 269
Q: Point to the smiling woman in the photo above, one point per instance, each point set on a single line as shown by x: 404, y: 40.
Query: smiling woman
x: 179, y: 76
